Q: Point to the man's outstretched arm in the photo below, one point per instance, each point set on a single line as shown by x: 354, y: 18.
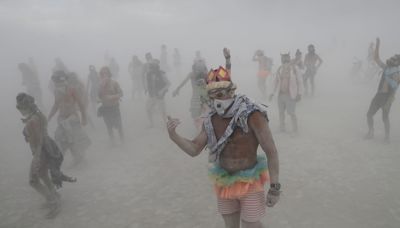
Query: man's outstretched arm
x: 376, y: 54
x: 191, y: 147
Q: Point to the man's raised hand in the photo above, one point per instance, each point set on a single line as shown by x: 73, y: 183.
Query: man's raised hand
x: 227, y: 53
x: 172, y: 123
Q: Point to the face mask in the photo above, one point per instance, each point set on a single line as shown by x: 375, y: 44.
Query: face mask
x: 24, y: 111
x: 221, y: 105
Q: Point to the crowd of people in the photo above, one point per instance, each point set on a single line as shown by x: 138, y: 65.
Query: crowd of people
x: 230, y: 125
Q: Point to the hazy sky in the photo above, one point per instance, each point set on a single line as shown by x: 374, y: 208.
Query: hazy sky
x: 85, y: 29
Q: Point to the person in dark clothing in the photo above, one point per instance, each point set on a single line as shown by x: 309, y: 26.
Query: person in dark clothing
x: 312, y: 62
x: 135, y: 70
x: 110, y: 94
x: 384, y: 97
x: 157, y: 85
x: 92, y: 87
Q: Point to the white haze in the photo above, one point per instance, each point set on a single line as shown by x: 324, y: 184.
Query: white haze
x: 331, y: 177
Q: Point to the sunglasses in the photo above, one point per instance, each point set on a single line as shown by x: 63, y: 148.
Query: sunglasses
x: 218, y: 93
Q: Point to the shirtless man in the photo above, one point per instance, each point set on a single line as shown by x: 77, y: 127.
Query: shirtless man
x: 312, y: 62
x: 384, y: 97
x: 264, y: 70
x: 110, y: 94
x: 69, y: 133
x: 199, y: 100
x: 233, y: 131
x: 289, y: 87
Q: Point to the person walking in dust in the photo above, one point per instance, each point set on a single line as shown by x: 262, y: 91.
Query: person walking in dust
x: 177, y: 62
x: 157, y: 85
x: 312, y: 62
x: 384, y: 97
x: 264, y: 70
x: 232, y: 131
x: 289, y: 86
x: 135, y: 70
x: 92, y: 87
x: 110, y: 94
x: 68, y: 99
x: 46, y: 155
x: 199, y: 100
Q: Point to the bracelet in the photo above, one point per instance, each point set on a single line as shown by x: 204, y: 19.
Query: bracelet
x: 274, y: 192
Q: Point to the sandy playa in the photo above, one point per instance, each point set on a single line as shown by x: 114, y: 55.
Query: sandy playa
x: 331, y: 177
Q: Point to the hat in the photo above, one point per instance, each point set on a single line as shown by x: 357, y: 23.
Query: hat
x: 219, y: 79
x: 25, y: 101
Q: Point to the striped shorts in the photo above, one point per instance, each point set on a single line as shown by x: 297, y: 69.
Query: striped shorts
x: 251, y: 206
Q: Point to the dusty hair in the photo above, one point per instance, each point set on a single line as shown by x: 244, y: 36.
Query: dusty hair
x: 105, y: 71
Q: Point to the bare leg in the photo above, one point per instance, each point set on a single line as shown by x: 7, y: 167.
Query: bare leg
x: 262, y: 86
x: 282, y: 109
x: 312, y: 85
x: 149, y: 108
x: 163, y: 110
x: 34, y: 181
x: 305, y: 82
x: 40, y: 188
x: 121, y: 133
x: 373, y: 108
x: 294, y: 122
x: 77, y: 156
x: 54, y: 202
x: 386, y: 122
x: 232, y: 220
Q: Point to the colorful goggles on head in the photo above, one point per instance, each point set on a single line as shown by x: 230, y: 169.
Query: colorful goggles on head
x: 218, y: 75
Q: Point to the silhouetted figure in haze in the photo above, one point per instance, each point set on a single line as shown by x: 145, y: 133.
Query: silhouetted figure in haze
x: 199, y: 100
x: 289, y: 86
x: 135, y: 70
x: 32, y: 65
x: 198, y: 56
x: 233, y: 131
x: 384, y: 97
x: 46, y: 155
x: 110, y: 94
x: 58, y: 66
x: 68, y: 99
x: 92, y: 87
x: 31, y: 82
x: 312, y: 62
x: 177, y: 62
x: 157, y: 85
x: 298, y: 62
x: 146, y: 67
x: 114, y: 68
x: 264, y: 70
x: 164, y: 66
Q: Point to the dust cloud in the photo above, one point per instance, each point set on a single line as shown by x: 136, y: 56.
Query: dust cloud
x: 331, y: 176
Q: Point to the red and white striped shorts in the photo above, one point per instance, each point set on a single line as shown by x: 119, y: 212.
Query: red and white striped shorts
x: 251, y: 206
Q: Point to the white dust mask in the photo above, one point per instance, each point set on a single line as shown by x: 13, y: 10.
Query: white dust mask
x: 221, y: 105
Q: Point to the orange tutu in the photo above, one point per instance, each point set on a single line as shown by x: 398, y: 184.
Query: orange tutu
x: 239, y: 188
